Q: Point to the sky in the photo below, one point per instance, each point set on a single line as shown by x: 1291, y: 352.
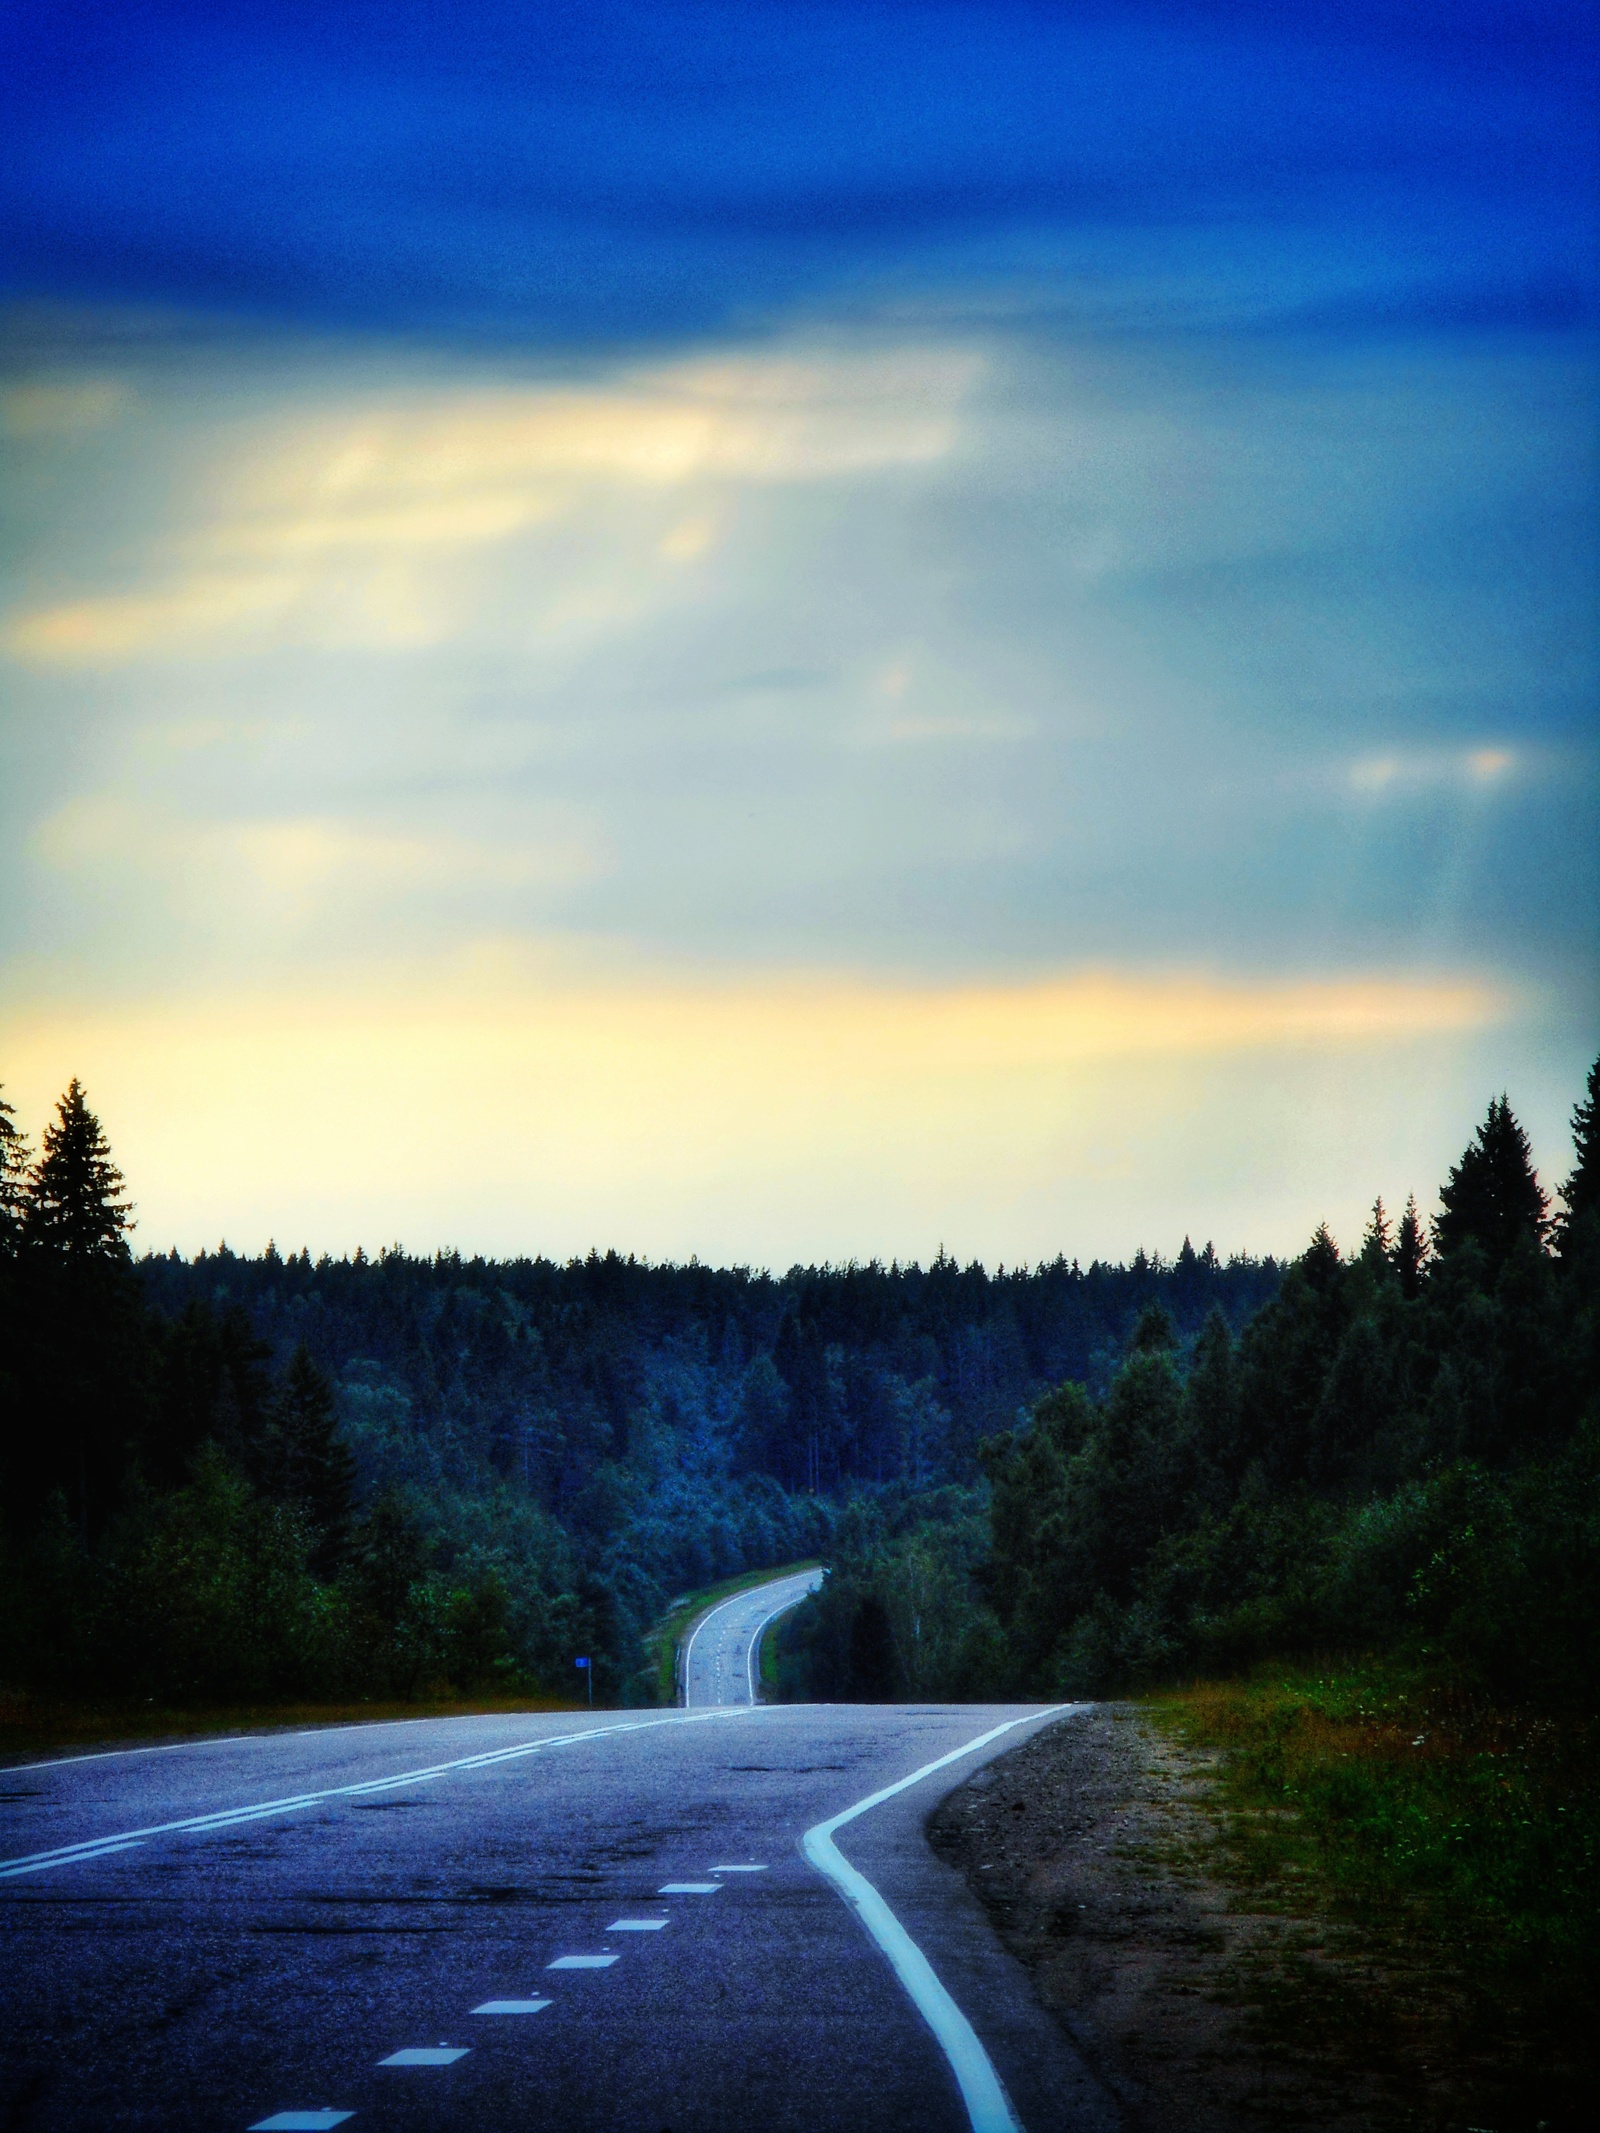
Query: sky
x: 797, y: 632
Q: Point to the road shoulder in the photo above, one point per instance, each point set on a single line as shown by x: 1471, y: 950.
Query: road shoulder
x: 1089, y: 1848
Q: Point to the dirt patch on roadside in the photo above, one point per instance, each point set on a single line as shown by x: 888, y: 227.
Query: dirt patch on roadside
x: 1093, y: 1848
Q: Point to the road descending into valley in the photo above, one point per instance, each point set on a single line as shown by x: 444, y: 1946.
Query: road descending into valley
x: 707, y: 1920
x: 722, y: 1658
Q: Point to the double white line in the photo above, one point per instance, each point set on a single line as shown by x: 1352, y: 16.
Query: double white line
x: 297, y: 1802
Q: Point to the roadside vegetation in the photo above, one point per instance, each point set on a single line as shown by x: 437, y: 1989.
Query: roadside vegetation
x: 1453, y: 1845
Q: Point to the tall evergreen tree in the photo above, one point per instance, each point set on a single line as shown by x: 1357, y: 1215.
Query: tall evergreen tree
x: 1581, y: 1191
x: 14, y: 1166
x: 74, y: 1208
x: 1377, y: 1246
x: 307, y: 1464
x: 1410, y: 1251
x: 1492, y: 1197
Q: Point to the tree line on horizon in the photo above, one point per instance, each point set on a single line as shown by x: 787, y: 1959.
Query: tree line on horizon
x: 269, y: 1476
x: 1398, y: 1453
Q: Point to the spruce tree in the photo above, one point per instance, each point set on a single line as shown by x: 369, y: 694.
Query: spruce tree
x: 1410, y: 1251
x: 14, y: 1166
x: 1377, y: 1246
x: 1492, y: 1198
x: 308, y: 1465
x: 1581, y: 1191
x: 73, y: 1207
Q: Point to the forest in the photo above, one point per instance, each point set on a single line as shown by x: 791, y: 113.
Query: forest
x: 265, y: 1478
x: 1398, y: 1453
x: 268, y: 1478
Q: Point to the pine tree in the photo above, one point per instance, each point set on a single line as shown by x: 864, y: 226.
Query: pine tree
x: 1155, y: 1333
x: 14, y: 1166
x: 1377, y: 1246
x: 1411, y: 1251
x: 73, y: 1208
x: 1581, y: 1191
x: 307, y: 1464
x: 1492, y: 1198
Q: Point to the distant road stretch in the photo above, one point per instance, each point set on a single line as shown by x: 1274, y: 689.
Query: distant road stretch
x: 721, y: 1662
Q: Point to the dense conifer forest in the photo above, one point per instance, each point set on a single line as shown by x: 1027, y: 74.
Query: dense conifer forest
x: 1399, y: 1452
x: 274, y: 1476
x: 278, y: 1477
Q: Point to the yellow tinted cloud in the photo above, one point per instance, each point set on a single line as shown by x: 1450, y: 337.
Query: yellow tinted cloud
x: 334, y: 511
x: 529, y: 1111
x: 128, y: 626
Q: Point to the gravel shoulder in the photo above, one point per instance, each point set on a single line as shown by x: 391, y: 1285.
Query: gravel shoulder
x: 1090, y: 1847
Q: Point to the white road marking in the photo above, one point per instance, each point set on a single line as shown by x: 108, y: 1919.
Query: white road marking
x: 101, y: 1850
x: 426, y: 2055
x: 689, y: 1888
x: 104, y: 1755
x: 722, y: 1665
x: 636, y: 1925
x: 301, y: 2121
x: 761, y: 1629
x: 736, y: 1870
x: 518, y: 2007
x: 295, y: 1803
x: 581, y: 1962
x: 988, y: 2106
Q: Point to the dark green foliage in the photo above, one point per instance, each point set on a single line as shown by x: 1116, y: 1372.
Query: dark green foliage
x: 1401, y: 1451
x: 15, y: 1165
x: 1410, y: 1251
x: 1491, y: 1200
x: 72, y: 1208
x: 1581, y: 1192
x: 305, y: 1464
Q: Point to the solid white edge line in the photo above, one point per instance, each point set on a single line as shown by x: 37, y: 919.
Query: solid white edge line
x: 989, y: 2108
x: 104, y: 1755
x: 762, y: 1627
x: 732, y: 1600
x: 292, y: 1803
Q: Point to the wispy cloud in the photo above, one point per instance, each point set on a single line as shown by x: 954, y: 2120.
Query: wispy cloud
x: 333, y: 529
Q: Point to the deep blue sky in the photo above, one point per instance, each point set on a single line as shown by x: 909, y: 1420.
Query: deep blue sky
x: 811, y: 629
x: 594, y: 170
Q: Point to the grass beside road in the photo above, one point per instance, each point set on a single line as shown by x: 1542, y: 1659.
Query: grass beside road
x: 1455, y: 1850
x: 37, y: 1725
x: 664, y: 1637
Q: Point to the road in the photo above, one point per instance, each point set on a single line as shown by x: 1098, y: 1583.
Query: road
x: 591, y: 1922
x: 722, y: 1656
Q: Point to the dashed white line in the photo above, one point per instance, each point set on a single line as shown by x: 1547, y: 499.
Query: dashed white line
x: 581, y: 1962
x: 688, y: 1888
x: 511, y: 2007
x: 636, y: 1925
x: 301, y: 2121
x: 426, y: 2055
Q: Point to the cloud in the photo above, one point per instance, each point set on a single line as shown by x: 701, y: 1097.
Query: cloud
x: 669, y: 1111
x: 1412, y: 771
x: 338, y: 528
x: 296, y: 870
x: 61, y: 407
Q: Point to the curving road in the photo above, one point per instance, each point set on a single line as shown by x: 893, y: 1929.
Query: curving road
x: 722, y: 1655
x: 710, y: 1919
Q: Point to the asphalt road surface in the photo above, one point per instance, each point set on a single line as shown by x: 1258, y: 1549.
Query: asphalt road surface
x: 572, y: 1922
x: 722, y: 1657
